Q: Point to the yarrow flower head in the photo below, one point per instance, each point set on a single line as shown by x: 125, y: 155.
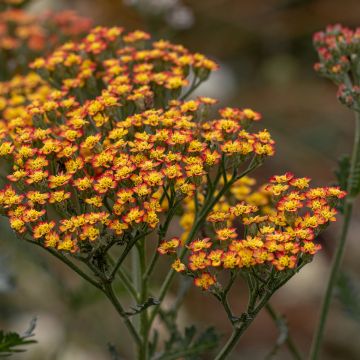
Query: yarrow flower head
x: 281, y: 221
x: 103, y: 148
x: 338, y: 49
x: 98, y: 143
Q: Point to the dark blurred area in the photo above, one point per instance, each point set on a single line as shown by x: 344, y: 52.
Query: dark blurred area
x: 266, y: 58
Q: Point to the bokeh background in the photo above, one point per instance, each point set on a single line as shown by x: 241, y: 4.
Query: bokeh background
x: 266, y: 57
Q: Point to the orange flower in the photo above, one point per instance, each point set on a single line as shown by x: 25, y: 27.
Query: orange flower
x: 42, y: 229
x: 226, y: 234
x: 205, y: 281
x: 178, y: 266
x: 58, y: 180
x: 216, y: 257
x: 198, y: 261
x: 169, y: 246
x: 282, y: 262
x: 230, y: 259
x: 198, y: 245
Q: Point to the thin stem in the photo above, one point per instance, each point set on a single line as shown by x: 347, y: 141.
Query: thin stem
x: 227, y: 308
x: 127, y: 249
x: 319, y: 334
x: 339, y: 252
x: 69, y: 263
x: 253, y: 309
x: 185, y: 285
x: 238, y: 331
x: 143, y: 297
x: 162, y: 234
x: 105, y: 287
x: 136, y: 280
x: 281, y: 324
x: 223, y: 298
x: 231, y: 282
x: 209, y: 204
x: 192, y: 88
x: 109, y: 292
x: 127, y: 284
x: 123, y: 277
x: 152, y: 264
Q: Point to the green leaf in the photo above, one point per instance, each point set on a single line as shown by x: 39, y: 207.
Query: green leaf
x: 11, y: 341
x: 348, y: 293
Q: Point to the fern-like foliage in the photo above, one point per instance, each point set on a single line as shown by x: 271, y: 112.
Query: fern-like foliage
x: 12, y: 342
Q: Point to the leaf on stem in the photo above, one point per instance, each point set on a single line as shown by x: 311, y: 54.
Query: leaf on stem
x: 11, y: 341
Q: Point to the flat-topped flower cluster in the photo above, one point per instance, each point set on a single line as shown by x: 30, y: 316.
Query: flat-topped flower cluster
x: 104, y: 142
x: 279, y: 223
x: 89, y: 159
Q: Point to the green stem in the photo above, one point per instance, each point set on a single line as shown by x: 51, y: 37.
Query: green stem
x: 192, y: 88
x: 223, y: 298
x: 238, y: 331
x: 143, y: 297
x: 127, y: 284
x: 123, y: 277
x: 126, y: 251
x: 109, y: 292
x: 105, y: 287
x: 280, y: 322
x: 69, y: 263
x: 253, y: 309
x: 198, y: 222
x: 339, y: 252
x: 319, y: 334
x: 136, y: 280
x: 162, y: 233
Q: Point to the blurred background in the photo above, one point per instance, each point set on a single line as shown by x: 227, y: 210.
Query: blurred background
x: 266, y: 56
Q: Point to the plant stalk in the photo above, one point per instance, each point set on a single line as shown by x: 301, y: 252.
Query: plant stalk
x: 198, y: 222
x: 339, y: 252
x: 238, y: 331
x: 105, y: 287
x: 278, y: 319
x: 143, y: 287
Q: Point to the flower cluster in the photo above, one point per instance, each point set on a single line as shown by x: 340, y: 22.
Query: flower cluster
x: 280, y: 223
x: 102, y: 145
x: 338, y: 49
x: 24, y: 36
x: 121, y: 63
